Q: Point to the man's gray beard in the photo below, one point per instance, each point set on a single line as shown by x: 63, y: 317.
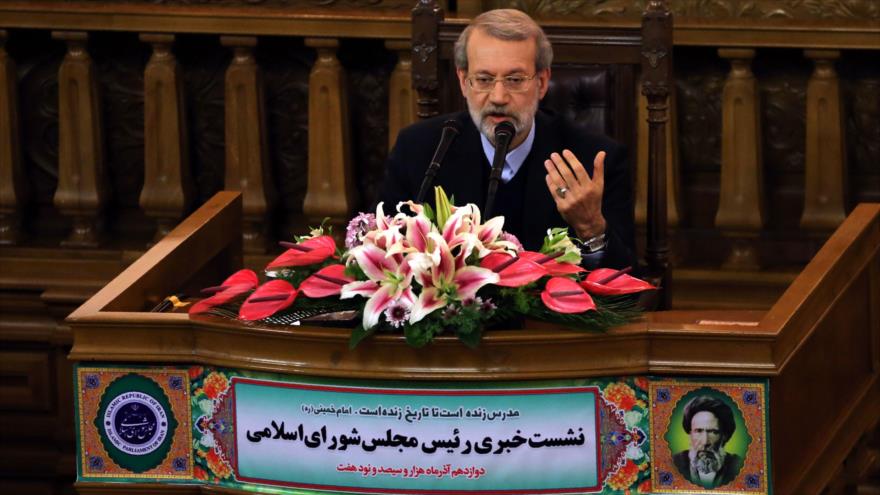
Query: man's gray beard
x: 707, y: 461
x: 521, y: 123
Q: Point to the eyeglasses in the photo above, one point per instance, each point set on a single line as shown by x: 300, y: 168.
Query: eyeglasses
x: 516, y: 83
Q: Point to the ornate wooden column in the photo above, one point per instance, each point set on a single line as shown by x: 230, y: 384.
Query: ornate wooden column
x: 401, y: 99
x: 168, y: 188
x: 331, y: 191
x: 82, y: 185
x: 13, y: 190
x: 673, y: 202
x: 247, y: 162
x: 426, y: 17
x: 741, y: 204
x: 825, y: 174
x: 656, y: 84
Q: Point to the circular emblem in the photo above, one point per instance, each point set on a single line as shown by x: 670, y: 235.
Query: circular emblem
x: 135, y: 423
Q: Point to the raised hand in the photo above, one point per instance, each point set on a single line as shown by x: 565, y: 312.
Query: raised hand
x: 578, y: 196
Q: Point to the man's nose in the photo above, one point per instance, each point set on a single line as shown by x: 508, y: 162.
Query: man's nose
x: 499, y: 93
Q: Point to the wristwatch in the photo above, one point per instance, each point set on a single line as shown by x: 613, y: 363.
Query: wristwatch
x: 594, y: 244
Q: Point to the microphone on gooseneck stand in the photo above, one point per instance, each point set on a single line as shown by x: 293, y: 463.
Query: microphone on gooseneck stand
x: 450, y: 130
x: 503, y: 134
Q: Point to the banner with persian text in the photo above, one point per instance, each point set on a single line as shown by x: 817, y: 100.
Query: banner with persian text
x: 271, y: 433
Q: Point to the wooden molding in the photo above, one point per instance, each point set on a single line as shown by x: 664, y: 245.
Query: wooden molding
x: 247, y: 161
x: 331, y: 192
x: 825, y: 180
x: 168, y: 188
x: 741, y: 203
x: 82, y: 186
x: 401, y: 97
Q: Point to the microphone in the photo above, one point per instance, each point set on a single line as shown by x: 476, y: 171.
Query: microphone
x: 450, y: 131
x: 503, y: 134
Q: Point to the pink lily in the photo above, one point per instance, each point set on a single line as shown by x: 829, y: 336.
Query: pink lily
x: 564, y: 295
x: 309, y: 252
x: 443, y: 282
x: 268, y: 299
x: 327, y: 281
x: 237, y: 284
x: 610, y: 282
x: 513, y: 271
x: 554, y: 268
x: 389, y: 281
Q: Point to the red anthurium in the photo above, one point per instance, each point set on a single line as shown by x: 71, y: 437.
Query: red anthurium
x: 237, y: 284
x: 309, y: 252
x: 601, y: 283
x: 328, y: 281
x: 267, y: 300
x: 513, y: 271
x: 553, y: 267
x: 564, y: 295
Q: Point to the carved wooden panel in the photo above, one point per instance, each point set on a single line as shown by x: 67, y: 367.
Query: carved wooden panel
x: 369, y: 66
x: 373, y: 5
x: 38, y: 58
x: 204, y: 62
x: 12, y: 183
x: 24, y: 381
x: 782, y: 84
x: 286, y: 64
x: 860, y: 84
x: 716, y: 9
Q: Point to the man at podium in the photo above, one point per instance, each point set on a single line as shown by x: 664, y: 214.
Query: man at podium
x: 554, y: 174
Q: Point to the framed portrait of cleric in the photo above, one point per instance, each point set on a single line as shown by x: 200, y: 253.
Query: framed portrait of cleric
x: 709, y: 437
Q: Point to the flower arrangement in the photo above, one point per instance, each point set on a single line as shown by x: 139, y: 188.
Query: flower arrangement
x: 427, y: 272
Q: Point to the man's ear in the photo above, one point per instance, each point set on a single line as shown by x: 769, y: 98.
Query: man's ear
x: 543, y: 77
x: 462, y: 80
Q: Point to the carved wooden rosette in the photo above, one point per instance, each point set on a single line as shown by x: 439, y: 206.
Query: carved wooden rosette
x: 426, y: 17
x: 741, y: 203
x: 82, y: 184
x: 825, y: 171
x: 13, y: 187
x: 656, y: 83
x: 401, y: 99
x: 168, y: 187
x: 247, y: 162
x: 331, y: 191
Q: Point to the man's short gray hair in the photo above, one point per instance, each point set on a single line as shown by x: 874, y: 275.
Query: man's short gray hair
x: 508, y: 25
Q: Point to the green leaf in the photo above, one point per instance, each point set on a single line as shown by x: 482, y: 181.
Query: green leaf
x: 359, y: 334
x: 429, y: 212
x: 472, y: 338
x: 418, y: 335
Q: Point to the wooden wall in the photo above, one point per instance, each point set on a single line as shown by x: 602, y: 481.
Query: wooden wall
x: 119, y: 118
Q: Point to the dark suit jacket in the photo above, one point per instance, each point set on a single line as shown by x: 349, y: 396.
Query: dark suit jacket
x: 465, y: 167
x: 731, y: 467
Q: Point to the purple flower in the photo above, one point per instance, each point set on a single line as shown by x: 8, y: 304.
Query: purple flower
x: 507, y: 236
x: 451, y: 312
x: 487, y: 306
x: 357, y: 227
x: 396, y: 315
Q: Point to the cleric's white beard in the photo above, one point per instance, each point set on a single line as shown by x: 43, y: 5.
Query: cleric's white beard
x: 707, y: 461
x: 522, y: 121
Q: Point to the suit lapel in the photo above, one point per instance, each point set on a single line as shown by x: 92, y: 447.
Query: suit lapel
x: 540, y: 208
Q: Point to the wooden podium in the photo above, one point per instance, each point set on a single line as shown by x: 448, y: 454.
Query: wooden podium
x: 819, y: 345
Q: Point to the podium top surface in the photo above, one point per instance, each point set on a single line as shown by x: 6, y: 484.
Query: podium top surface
x: 116, y: 326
